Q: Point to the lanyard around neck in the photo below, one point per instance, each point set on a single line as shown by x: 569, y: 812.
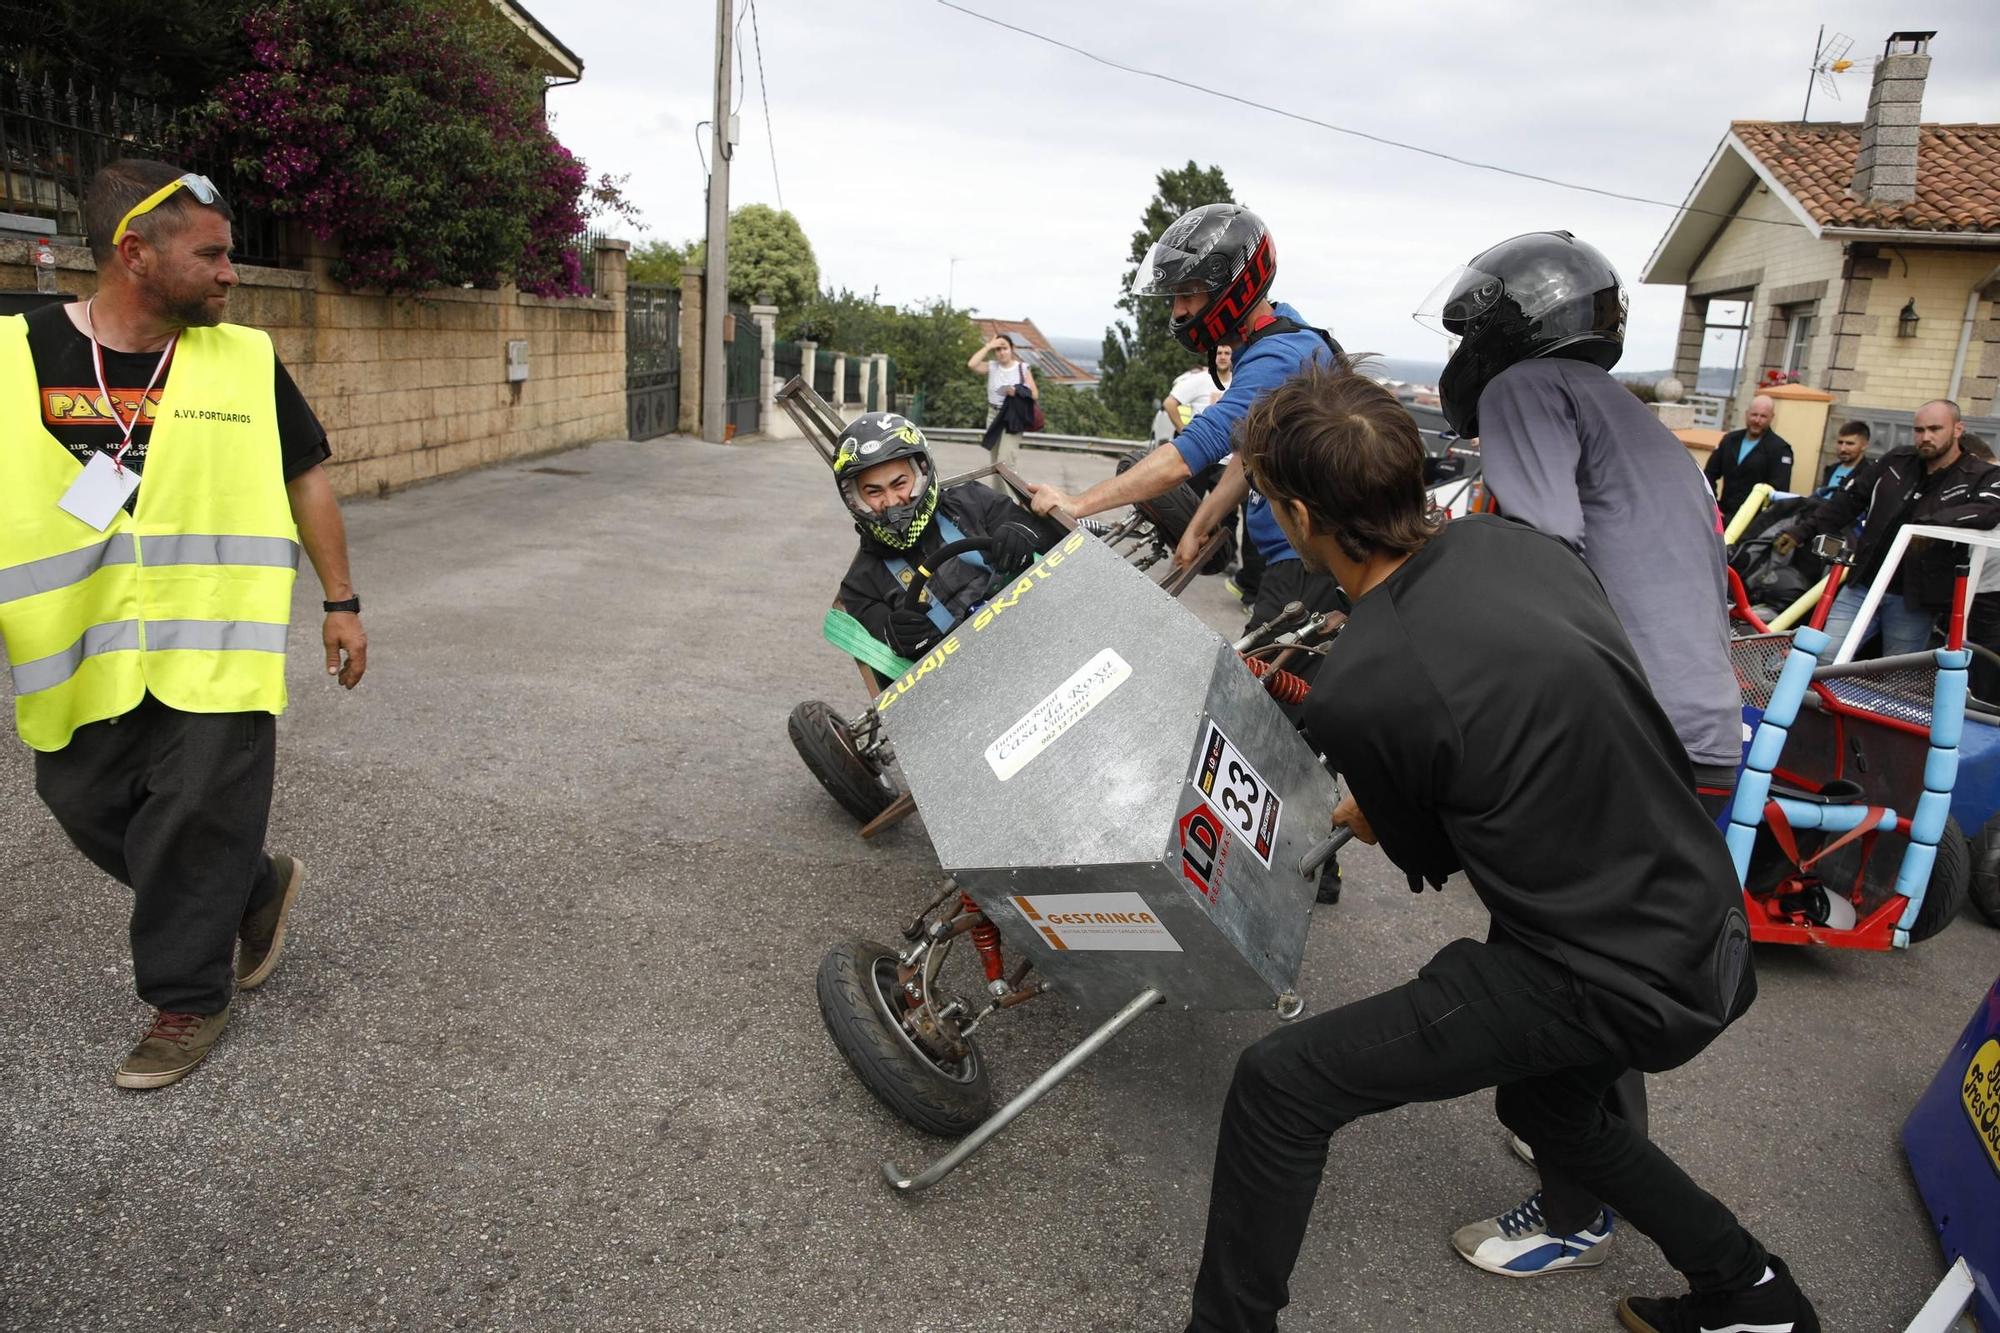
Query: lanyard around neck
x: 97, y: 363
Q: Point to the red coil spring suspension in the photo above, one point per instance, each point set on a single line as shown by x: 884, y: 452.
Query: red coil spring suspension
x: 986, y: 939
x: 1283, y: 686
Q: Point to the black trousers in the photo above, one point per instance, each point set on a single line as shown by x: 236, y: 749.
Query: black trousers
x: 1492, y: 1015
x: 1568, y: 1206
x: 173, y: 805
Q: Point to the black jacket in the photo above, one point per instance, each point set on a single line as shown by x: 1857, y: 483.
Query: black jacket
x: 869, y: 588
x: 1894, y: 490
x: 1490, y: 715
x: 1770, y: 462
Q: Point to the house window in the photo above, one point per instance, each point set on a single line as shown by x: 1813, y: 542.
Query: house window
x: 1725, y: 327
x: 1798, y: 338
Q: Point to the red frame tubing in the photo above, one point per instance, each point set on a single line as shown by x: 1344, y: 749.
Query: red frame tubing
x: 1876, y: 931
x: 1954, y: 635
x: 986, y: 939
x: 1835, y: 575
x: 1739, y: 598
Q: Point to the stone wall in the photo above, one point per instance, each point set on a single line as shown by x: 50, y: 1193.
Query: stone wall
x: 409, y: 389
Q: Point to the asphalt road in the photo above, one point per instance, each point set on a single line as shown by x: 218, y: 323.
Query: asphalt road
x: 544, y: 1054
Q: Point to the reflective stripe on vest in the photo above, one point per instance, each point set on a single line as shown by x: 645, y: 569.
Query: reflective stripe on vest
x: 940, y: 614
x: 186, y: 598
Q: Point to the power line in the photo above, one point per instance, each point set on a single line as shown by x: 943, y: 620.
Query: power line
x: 1354, y: 133
x: 765, y: 92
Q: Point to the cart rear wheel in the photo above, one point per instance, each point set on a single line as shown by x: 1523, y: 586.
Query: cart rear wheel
x: 1985, y: 885
x: 857, y: 1000
x: 827, y: 747
x: 1170, y: 513
x: 1945, y: 894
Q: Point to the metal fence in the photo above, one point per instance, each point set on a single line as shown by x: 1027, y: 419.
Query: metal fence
x: 54, y: 138
x: 787, y: 360
x: 652, y: 360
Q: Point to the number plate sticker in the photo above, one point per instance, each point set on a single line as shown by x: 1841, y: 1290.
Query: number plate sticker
x: 1238, y: 794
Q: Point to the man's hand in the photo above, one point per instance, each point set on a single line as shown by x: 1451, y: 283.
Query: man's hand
x: 1191, y: 542
x: 910, y: 629
x: 343, y: 635
x: 1348, y: 813
x: 1045, y: 499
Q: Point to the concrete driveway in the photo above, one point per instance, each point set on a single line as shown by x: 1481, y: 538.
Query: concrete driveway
x: 544, y: 1054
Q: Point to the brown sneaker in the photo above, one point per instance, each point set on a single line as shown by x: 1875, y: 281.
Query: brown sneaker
x: 173, y: 1045
x: 261, y: 937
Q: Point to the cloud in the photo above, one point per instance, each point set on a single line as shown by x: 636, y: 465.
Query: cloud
x: 907, y: 133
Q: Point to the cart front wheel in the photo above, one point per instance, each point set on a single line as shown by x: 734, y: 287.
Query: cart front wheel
x: 1945, y: 894
x: 858, y: 1001
x: 827, y: 747
x: 1985, y: 886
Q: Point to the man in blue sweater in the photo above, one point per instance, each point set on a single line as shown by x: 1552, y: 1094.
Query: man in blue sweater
x: 1216, y: 263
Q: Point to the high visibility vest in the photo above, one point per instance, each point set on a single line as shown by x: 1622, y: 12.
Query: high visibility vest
x: 189, y: 597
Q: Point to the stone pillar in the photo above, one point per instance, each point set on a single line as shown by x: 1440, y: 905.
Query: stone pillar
x: 839, y: 380
x: 867, y: 365
x: 1687, y: 352
x: 1886, y: 167
x: 767, y: 335
x: 608, y: 262
x: 690, y: 414
x: 881, y: 360
x: 808, y: 359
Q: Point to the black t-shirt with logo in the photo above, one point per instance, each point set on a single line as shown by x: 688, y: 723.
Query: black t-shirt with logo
x: 74, y: 412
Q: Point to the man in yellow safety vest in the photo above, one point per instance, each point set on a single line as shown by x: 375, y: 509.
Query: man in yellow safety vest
x: 145, y: 624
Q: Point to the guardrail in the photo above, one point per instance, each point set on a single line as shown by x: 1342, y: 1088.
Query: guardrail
x: 1073, y: 444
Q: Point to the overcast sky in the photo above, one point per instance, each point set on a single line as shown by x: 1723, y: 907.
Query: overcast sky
x: 907, y: 133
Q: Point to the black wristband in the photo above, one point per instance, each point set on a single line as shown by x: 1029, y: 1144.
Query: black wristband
x: 351, y: 604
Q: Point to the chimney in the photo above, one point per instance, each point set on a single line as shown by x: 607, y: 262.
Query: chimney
x: 1886, y: 170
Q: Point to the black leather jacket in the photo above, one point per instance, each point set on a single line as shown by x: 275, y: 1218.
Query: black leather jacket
x: 1894, y: 490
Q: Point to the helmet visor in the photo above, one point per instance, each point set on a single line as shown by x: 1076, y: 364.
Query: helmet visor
x: 1463, y: 296
x: 1169, y: 270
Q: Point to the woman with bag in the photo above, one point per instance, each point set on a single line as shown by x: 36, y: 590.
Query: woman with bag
x: 1011, y: 397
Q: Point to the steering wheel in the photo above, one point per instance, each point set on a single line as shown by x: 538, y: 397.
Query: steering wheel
x: 932, y: 563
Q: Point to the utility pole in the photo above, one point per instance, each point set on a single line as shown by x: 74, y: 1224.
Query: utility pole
x: 715, y: 277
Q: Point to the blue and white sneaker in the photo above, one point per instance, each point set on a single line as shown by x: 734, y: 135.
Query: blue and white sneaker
x: 1515, y: 1244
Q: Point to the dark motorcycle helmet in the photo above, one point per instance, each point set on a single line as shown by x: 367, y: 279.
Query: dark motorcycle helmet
x: 1542, y: 294
x: 1222, y: 249
x: 884, y: 437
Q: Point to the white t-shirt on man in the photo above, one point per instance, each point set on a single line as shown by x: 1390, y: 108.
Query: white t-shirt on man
x: 1194, y: 391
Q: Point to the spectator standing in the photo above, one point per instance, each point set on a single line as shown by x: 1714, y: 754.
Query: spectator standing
x: 1748, y: 456
x: 146, y: 568
x: 1932, y: 482
x: 1009, y: 384
x: 1195, y: 389
x: 1848, y: 447
x: 1982, y: 621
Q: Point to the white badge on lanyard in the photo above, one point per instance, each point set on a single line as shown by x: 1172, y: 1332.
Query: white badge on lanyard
x: 105, y: 483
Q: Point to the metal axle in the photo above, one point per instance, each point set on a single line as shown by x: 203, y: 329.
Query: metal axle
x: 1033, y: 1093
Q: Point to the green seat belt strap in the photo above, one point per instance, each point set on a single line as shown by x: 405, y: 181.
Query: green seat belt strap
x: 846, y: 633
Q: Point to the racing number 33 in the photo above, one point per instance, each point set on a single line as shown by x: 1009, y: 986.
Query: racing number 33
x: 1236, y: 792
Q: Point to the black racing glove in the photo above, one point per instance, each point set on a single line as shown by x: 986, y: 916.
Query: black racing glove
x: 911, y: 633
x: 1013, y: 549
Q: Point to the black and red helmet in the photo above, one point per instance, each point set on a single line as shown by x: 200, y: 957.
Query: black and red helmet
x: 1222, y: 249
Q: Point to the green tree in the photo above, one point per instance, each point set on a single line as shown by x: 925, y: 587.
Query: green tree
x: 1141, y: 358
x: 657, y: 262
x: 768, y: 255
x: 1068, y: 410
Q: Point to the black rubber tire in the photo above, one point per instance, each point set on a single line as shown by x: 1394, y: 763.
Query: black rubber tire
x: 1950, y: 876
x: 823, y: 742
x: 1984, y: 885
x: 921, y: 1093
x: 1170, y: 513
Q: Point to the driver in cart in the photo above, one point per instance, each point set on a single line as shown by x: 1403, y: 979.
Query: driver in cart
x: 1492, y: 720
x: 888, y: 481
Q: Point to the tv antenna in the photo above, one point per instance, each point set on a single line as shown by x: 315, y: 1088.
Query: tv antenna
x: 1829, y: 58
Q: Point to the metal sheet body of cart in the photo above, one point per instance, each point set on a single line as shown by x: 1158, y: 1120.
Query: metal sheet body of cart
x: 1098, y: 769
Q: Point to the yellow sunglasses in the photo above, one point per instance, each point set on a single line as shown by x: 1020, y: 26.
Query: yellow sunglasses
x: 201, y: 187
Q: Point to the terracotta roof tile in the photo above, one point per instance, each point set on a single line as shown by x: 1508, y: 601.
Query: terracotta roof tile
x: 1958, y: 175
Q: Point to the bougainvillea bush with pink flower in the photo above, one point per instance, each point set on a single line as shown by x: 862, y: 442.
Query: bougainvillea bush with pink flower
x: 404, y: 131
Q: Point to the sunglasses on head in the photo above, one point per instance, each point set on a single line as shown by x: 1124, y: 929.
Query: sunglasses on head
x: 201, y: 187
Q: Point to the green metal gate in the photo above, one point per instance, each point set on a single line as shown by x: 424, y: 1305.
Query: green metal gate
x: 652, y: 360
x: 742, y: 355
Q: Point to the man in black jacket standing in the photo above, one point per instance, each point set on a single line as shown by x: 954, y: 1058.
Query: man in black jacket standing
x: 1491, y: 717
x: 1932, y: 482
x: 1745, y: 457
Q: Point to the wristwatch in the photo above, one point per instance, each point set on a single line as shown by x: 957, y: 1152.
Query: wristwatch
x: 351, y: 604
